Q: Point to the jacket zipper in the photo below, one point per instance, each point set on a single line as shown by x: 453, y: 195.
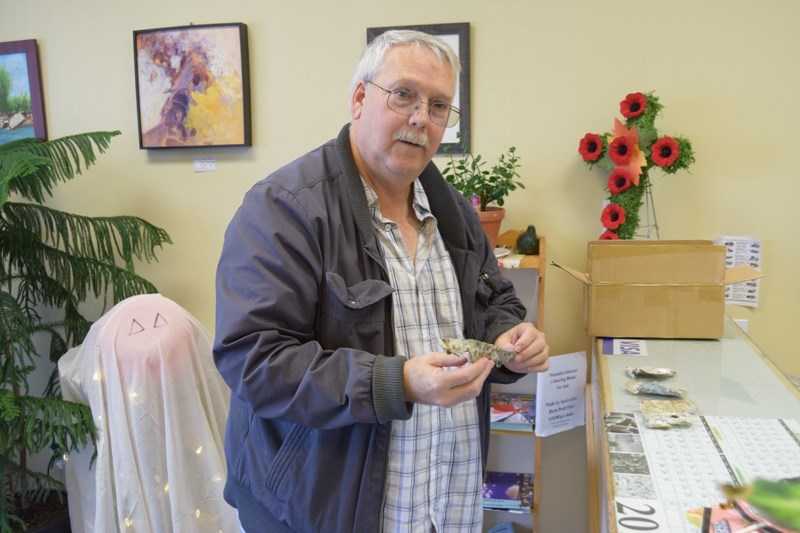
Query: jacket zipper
x: 390, y: 429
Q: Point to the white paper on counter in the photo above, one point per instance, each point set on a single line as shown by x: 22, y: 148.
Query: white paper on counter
x: 560, y: 394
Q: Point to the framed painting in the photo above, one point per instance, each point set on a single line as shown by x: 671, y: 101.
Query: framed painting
x: 457, y: 36
x: 192, y: 86
x: 21, y: 103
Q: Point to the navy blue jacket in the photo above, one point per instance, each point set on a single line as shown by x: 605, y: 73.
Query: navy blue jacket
x: 304, y: 339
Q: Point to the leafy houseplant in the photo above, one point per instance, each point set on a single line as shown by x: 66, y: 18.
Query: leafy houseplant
x: 469, y: 175
x: 51, y: 262
x: 484, y: 187
x: 628, y: 153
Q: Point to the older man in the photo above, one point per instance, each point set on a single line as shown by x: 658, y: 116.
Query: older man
x: 339, y: 275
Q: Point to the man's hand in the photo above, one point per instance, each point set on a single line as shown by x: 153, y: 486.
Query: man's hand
x: 437, y: 378
x: 530, y: 347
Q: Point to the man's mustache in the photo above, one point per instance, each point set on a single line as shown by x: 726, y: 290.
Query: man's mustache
x: 413, y: 137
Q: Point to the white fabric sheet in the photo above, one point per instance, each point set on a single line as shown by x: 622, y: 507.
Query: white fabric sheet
x: 160, y: 406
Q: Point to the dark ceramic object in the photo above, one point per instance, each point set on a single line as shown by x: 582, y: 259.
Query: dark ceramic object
x: 528, y: 242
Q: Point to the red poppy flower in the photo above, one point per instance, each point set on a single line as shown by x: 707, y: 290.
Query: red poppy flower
x: 621, y: 150
x: 637, y: 158
x: 633, y: 106
x: 619, y: 180
x: 591, y: 147
x: 609, y: 235
x: 613, y: 216
x: 665, y: 151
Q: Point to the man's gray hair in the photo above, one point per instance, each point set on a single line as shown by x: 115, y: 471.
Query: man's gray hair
x: 373, y: 57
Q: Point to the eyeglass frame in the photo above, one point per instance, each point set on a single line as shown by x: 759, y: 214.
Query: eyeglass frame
x: 420, y: 102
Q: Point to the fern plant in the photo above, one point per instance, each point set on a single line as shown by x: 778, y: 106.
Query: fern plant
x: 52, y: 262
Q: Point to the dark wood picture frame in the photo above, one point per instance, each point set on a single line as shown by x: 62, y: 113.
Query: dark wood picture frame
x: 193, y: 86
x: 23, y: 70
x: 457, y: 36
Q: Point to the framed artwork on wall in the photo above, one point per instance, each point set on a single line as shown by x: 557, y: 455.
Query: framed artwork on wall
x: 192, y: 86
x: 21, y: 102
x: 457, y: 36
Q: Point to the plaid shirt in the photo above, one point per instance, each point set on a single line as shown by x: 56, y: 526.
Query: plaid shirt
x: 434, y: 472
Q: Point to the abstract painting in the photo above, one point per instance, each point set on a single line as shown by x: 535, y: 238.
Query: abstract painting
x: 192, y: 86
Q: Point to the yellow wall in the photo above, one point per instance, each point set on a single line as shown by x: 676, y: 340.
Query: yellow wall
x: 543, y: 74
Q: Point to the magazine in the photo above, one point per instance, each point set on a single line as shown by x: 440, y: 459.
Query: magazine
x: 507, y: 491
x: 512, y: 411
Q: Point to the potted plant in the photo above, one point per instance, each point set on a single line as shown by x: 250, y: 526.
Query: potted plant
x: 51, y: 262
x: 486, y: 188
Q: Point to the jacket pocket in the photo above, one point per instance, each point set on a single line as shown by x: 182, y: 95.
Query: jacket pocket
x: 355, y: 303
x: 285, y: 460
x: 352, y: 315
x: 330, y: 467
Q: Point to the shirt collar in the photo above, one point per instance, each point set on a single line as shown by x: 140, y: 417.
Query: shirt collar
x: 421, y: 206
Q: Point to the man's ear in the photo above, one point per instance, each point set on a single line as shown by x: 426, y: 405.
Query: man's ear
x: 357, y: 100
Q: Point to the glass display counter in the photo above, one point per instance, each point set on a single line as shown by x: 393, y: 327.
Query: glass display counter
x: 747, y: 424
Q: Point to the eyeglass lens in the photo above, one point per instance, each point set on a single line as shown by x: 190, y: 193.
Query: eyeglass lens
x: 407, y: 103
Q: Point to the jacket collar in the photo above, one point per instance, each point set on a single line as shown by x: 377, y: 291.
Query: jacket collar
x: 440, y: 196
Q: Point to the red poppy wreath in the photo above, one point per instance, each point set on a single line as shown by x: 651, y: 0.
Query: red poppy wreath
x: 628, y: 153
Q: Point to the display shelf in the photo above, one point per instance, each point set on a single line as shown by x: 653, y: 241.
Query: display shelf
x: 515, y: 451
x: 508, y: 239
x: 511, y: 454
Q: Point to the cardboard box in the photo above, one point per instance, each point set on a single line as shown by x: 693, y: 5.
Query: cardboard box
x: 658, y: 289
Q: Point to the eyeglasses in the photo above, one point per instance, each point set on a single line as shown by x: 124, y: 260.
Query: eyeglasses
x: 407, y: 103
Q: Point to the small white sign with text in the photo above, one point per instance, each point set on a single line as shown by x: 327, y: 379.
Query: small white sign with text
x: 560, y: 394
